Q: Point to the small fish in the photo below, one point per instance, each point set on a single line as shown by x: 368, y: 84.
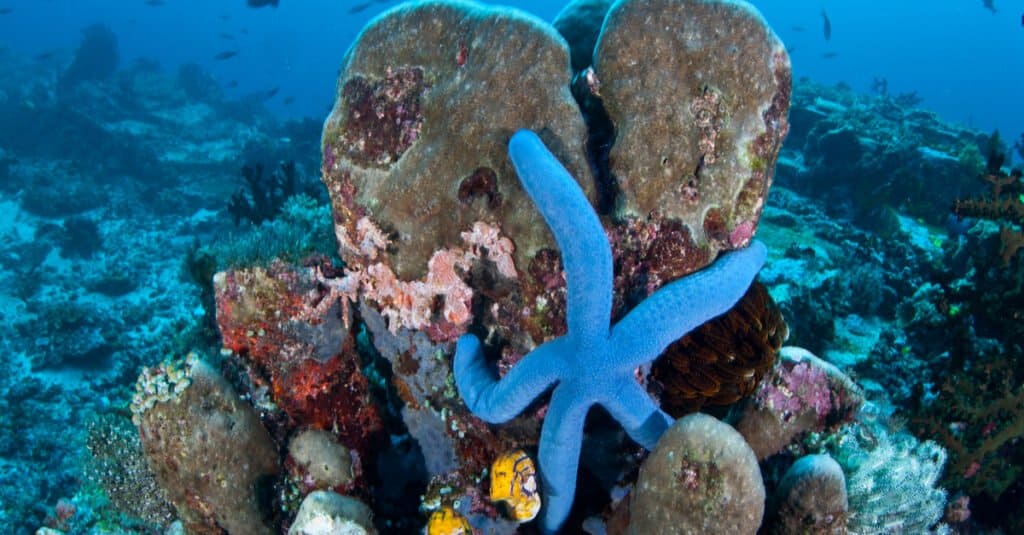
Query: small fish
x: 154, y: 3
x: 45, y: 55
x: 271, y: 93
x: 224, y: 17
x: 989, y: 5
x: 798, y: 29
x: 828, y: 25
x: 6, y: 10
x: 288, y: 100
x: 227, y: 54
x: 232, y: 84
x: 830, y: 55
x: 359, y: 7
x: 227, y: 36
x: 262, y: 3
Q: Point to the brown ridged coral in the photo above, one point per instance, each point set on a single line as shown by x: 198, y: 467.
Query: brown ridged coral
x: 701, y: 478
x: 699, y: 101
x: 725, y: 359
x: 427, y: 99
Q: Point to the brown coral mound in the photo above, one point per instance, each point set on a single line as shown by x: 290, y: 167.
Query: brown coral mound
x: 699, y: 100
x: 812, y: 498
x: 725, y: 359
x: 427, y: 99
x: 206, y: 448
x: 702, y: 477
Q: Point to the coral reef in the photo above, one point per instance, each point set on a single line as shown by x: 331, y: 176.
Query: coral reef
x: 812, y: 498
x: 339, y: 371
x: 594, y: 362
x: 701, y: 478
x: 861, y: 155
x: 206, y: 447
x: 105, y: 188
x: 700, y: 149
x: 802, y: 394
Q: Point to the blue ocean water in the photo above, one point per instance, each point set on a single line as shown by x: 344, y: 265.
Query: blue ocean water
x: 147, y: 145
x: 963, y: 59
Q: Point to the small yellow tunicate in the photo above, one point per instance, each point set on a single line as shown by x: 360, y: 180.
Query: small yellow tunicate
x: 447, y: 521
x: 514, y: 481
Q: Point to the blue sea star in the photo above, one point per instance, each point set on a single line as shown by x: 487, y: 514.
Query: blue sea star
x: 594, y: 362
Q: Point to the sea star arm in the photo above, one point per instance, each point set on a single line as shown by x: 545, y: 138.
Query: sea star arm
x: 683, y: 305
x: 586, y: 257
x: 496, y: 401
x: 561, y: 438
x: 634, y: 409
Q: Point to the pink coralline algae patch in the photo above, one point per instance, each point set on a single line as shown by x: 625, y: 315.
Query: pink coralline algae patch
x: 802, y: 384
x: 366, y: 241
x: 439, y: 303
x: 741, y: 235
x: 796, y: 389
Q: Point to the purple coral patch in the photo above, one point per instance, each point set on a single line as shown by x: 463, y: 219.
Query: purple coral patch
x: 384, y: 117
x: 483, y: 183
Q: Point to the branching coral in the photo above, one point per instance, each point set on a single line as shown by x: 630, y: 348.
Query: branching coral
x: 979, y: 419
x: 1005, y: 205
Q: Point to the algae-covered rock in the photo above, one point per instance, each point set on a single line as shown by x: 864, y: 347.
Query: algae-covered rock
x: 811, y: 498
x: 328, y: 513
x: 802, y: 394
x: 326, y: 462
x: 206, y: 448
x: 701, y: 478
x: 428, y: 98
x: 698, y: 92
